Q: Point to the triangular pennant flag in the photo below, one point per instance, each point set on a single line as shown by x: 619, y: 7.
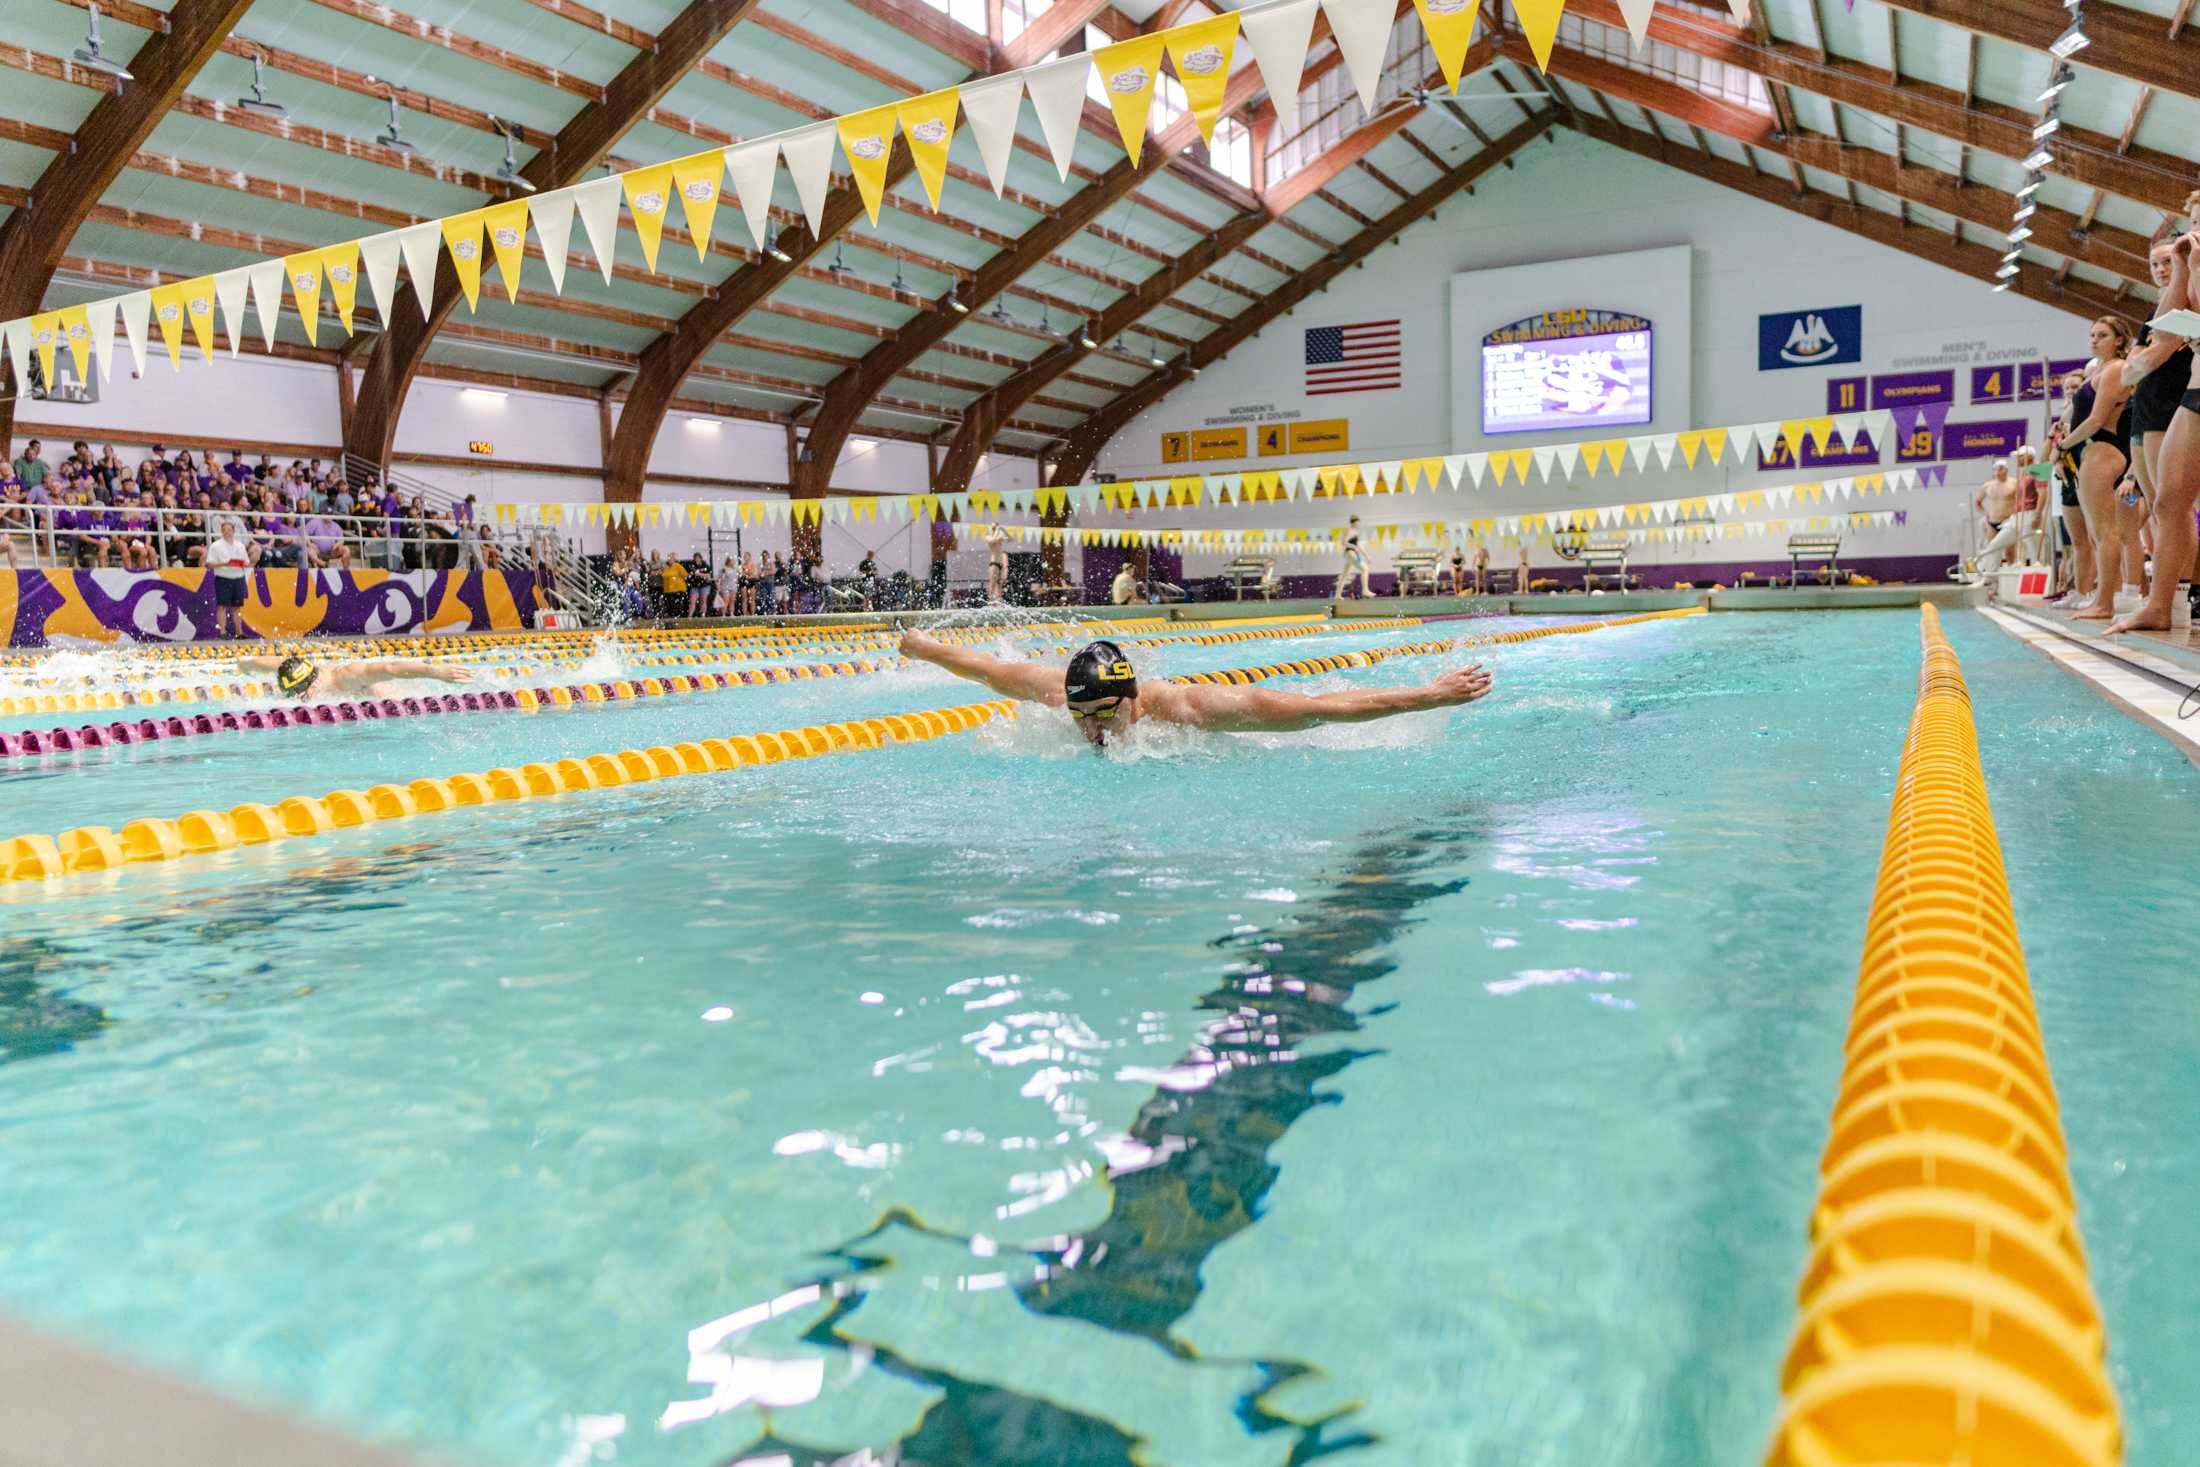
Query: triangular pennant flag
x: 1478, y: 464
x: 809, y: 155
x: 928, y: 127
x: 1638, y: 449
x: 103, y: 337
x: 754, y: 168
x: 1362, y: 33
x: 992, y: 106
x: 867, y: 138
x: 1691, y: 444
x: 1846, y: 427
x: 1128, y: 71
x: 1821, y: 432
x: 303, y: 274
x: 231, y: 289
x: 648, y: 194
x: 695, y: 179
x: 1058, y: 95
x: 378, y: 257
x: 267, y: 297
x: 1279, y: 38
x: 17, y: 336
x: 45, y: 341
x: 506, y: 226
x: 1569, y: 458
x: 198, y: 309
x: 1794, y: 433
x: 340, y: 270
x: 553, y: 216
x: 1455, y: 464
x: 419, y: 244
x: 597, y: 202
x: 1201, y: 54
x: 1544, y: 457
x: 136, y: 310
x: 1450, y: 27
x: 1664, y: 443
x: 1740, y: 9
x: 462, y: 237
x: 1637, y: 15
x: 1715, y: 440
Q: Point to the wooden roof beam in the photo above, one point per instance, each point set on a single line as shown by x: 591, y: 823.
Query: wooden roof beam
x: 2125, y: 42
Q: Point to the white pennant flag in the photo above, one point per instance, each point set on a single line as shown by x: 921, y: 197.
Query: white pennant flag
x: 809, y: 155
x: 598, y: 203
x: 1279, y: 38
x: 18, y: 337
x: 1846, y: 424
x: 137, y: 313
x: 378, y: 257
x: 1740, y: 9
x: 1058, y: 96
x: 1639, y: 448
x: 1455, y: 464
x: 267, y: 297
x: 1362, y: 31
x: 553, y: 216
x: 754, y: 169
x: 1544, y: 458
x: 1478, y: 464
x: 229, y: 292
x: 103, y: 337
x: 990, y: 107
x: 1569, y: 458
x: 421, y: 245
x: 1225, y: 483
x: 1769, y: 437
x: 1880, y: 424
x: 1637, y: 15
x: 1665, y: 443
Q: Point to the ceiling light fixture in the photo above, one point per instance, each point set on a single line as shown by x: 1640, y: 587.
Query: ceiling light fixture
x: 2039, y: 160
x: 2048, y: 127
x: 1085, y: 338
x: 2064, y: 76
x: 2002, y: 287
x: 258, y: 101
x: 2009, y: 272
x: 1000, y: 313
x: 89, y: 54
x: 2019, y: 234
x: 955, y: 301
x: 508, y: 170
x: 778, y: 251
x: 390, y: 137
x: 2070, y: 43
x: 2026, y: 211
x: 840, y: 264
x: 2031, y: 187
x: 1153, y: 356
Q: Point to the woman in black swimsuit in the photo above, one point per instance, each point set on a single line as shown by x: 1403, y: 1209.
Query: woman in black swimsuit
x: 2101, y: 437
x: 2166, y: 414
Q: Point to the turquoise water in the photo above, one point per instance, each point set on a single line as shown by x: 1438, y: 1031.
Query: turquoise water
x: 1442, y: 1091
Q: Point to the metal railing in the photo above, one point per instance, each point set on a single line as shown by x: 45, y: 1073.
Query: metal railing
x: 48, y: 536
x: 576, y: 585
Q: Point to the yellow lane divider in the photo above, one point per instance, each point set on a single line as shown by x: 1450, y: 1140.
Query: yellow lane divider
x: 1947, y: 1320
x: 203, y: 832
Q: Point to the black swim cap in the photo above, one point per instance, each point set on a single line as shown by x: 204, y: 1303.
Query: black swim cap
x: 295, y: 676
x: 1100, y: 671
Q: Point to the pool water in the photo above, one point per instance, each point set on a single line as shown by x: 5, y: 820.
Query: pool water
x: 1448, y: 1090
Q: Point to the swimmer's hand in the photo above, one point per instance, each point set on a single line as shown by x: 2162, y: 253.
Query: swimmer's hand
x: 454, y: 674
x: 1460, y: 685
x: 919, y: 647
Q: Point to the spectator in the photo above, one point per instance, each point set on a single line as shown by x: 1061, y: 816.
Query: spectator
x: 133, y: 525
x: 675, y: 574
x: 112, y: 470
x: 729, y: 588
x: 228, y: 554
x: 463, y: 512
x: 1524, y: 577
x: 325, y: 543
x: 867, y: 580
x: 1124, y: 589
x: 1999, y: 505
x: 264, y: 469
x: 749, y: 588
x: 1355, y: 563
x: 86, y: 543
x: 31, y: 467
x: 801, y: 585
x: 15, y: 515
x: 698, y: 584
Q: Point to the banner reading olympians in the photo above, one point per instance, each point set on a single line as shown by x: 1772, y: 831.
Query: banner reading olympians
x: 1826, y: 336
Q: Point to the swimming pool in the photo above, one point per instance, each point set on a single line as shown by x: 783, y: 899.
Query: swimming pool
x: 1445, y: 1090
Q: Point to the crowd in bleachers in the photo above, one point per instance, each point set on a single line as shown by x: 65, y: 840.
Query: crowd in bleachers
x: 93, y: 510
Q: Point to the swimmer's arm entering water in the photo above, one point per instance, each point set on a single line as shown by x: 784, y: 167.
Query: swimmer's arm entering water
x: 1267, y: 710
x: 1026, y: 680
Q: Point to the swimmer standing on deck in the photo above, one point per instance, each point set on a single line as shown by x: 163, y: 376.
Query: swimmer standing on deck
x: 295, y: 676
x: 1101, y: 692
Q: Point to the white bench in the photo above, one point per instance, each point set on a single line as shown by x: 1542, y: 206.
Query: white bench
x: 1825, y: 549
x: 1257, y: 571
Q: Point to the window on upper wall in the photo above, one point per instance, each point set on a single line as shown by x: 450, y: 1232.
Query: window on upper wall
x: 1017, y: 16
x: 1329, y: 105
x: 1232, y: 153
x: 1698, y: 74
x: 969, y: 13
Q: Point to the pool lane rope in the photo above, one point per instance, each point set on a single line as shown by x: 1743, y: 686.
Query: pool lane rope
x: 204, y: 832
x: 1947, y: 1317
x: 93, y: 848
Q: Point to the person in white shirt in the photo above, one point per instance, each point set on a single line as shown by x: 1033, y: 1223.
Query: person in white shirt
x: 229, y: 555
x: 1125, y: 588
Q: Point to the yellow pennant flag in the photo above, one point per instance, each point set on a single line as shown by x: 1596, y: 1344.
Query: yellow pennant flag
x: 1715, y: 440
x: 1201, y: 54
x: 462, y: 237
x: 1539, y: 21
x: 1821, y: 431
x: 168, y: 313
x: 76, y: 330
x: 697, y: 177
x: 928, y: 122
x: 304, y: 274
x: 198, y: 309
x: 648, y: 193
x: 340, y: 269
x: 1792, y: 433
x: 1128, y: 70
x: 1691, y: 445
x: 868, y: 140
x: 1450, y: 27
x: 507, y: 229
x: 45, y: 338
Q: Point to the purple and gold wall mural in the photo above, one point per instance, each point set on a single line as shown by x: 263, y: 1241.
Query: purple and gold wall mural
x: 38, y: 607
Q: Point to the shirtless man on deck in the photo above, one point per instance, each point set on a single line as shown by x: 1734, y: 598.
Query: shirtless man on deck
x: 378, y: 678
x: 2000, y: 499
x: 1101, y: 692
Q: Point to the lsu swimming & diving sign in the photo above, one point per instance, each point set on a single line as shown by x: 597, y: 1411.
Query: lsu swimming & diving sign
x: 1820, y: 338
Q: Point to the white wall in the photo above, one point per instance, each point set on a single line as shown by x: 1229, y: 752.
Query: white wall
x: 259, y: 399
x: 1575, y: 200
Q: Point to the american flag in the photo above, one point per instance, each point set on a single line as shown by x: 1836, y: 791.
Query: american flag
x: 1364, y: 357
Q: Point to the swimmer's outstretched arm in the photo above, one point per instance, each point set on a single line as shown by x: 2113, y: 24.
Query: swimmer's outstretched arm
x: 1026, y: 680
x: 401, y: 667
x: 1266, y: 710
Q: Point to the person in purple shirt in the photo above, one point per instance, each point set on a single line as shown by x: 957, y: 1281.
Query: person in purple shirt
x: 327, y: 542
x: 237, y: 471
x: 462, y: 513
x: 132, y: 522
x: 84, y: 530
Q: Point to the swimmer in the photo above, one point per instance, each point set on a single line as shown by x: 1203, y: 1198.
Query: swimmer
x: 295, y: 677
x: 1100, y: 690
